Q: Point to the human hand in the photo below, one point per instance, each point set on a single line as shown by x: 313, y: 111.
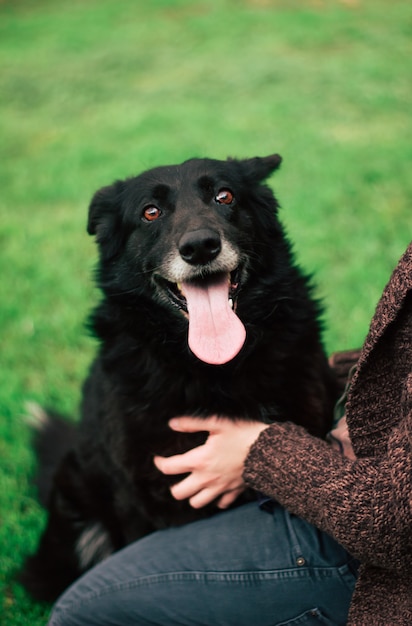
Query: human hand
x: 340, y: 439
x: 215, y: 468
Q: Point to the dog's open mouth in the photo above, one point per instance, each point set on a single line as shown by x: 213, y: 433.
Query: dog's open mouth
x: 216, y: 335
x: 176, y: 291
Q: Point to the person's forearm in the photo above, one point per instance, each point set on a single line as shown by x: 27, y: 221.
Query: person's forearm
x: 343, y: 497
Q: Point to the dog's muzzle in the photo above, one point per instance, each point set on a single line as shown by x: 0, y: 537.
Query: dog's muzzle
x: 206, y: 293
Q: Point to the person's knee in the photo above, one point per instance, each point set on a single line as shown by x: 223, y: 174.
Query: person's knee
x: 62, y: 616
x: 76, y: 607
x: 89, y: 613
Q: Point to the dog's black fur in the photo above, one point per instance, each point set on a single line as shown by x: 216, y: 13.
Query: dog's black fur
x: 172, y: 224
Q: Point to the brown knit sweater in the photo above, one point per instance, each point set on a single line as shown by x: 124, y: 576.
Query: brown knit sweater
x: 365, y: 504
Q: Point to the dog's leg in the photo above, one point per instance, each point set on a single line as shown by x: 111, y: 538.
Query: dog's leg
x: 75, y: 537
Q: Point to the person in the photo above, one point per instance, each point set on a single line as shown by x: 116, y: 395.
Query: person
x: 294, y: 558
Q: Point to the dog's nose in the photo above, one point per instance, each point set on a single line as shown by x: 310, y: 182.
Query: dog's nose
x: 198, y: 247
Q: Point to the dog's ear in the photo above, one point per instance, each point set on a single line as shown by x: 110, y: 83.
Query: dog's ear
x: 259, y: 168
x: 104, y: 205
x: 105, y: 213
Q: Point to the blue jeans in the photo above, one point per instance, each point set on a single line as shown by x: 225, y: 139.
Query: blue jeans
x: 243, y: 567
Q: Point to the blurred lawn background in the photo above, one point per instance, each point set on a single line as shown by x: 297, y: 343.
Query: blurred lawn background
x: 99, y: 89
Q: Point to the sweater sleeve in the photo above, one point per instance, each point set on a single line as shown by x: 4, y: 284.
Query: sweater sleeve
x: 364, y: 504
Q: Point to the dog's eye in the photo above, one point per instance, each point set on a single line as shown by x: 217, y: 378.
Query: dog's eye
x: 151, y: 213
x: 224, y: 196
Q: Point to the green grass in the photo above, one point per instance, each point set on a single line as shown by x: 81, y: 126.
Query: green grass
x: 91, y: 91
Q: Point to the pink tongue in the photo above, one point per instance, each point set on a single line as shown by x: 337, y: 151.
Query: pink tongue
x: 216, y: 334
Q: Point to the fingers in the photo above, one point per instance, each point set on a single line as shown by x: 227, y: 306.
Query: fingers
x: 177, y: 464
x: 188, y: 424
x: 206, y: 496
x: 201, y: 494
x: 198, y: 496
x: 229, y: 497
x: 213, y: 469
x: 181, y: 463
x: 187, y: 488
x: 198, y: 490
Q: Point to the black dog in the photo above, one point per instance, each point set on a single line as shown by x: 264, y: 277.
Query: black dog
x: 204, y: 313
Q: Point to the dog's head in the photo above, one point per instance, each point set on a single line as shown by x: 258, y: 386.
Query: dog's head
x: 189, y: 236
